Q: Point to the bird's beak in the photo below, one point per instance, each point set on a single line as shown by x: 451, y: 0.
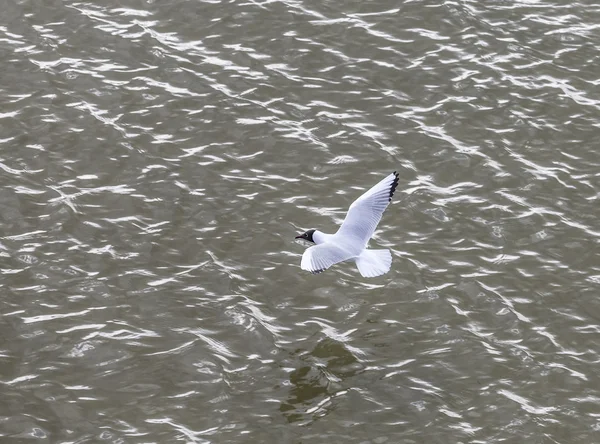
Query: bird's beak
x: 298, y: 237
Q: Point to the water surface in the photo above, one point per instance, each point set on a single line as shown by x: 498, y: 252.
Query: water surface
x: 158, y: 157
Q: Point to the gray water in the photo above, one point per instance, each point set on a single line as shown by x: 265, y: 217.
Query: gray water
x: 158, y: 157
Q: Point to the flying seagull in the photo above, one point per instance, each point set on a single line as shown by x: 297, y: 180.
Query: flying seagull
x: 350, y: 240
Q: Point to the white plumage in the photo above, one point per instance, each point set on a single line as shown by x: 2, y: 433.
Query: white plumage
x: 350, y: 241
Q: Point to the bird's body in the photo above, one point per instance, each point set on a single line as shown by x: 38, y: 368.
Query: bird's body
x: 350, y: 241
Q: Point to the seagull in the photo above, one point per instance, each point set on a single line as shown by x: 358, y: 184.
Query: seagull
x: 350, y: 240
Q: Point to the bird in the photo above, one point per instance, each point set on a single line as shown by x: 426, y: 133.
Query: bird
x: 350, y: 240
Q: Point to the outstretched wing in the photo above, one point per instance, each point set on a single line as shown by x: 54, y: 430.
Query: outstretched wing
x: 365, y: 212
x: 320, y: 257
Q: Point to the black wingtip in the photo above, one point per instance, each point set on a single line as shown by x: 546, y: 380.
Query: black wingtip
x: 394, y: 185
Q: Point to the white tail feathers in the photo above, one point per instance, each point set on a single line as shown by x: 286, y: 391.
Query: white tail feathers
x: 373, y: 263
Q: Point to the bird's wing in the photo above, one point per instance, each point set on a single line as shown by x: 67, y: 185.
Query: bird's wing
x: 365, y: 212
x: 320, y: 257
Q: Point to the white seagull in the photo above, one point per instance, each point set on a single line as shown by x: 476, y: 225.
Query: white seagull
x: 350, y: 240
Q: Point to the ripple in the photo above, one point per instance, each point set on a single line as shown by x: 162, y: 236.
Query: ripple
x: 158, y: 159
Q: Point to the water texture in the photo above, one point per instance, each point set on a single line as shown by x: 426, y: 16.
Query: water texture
x: 157, y: 159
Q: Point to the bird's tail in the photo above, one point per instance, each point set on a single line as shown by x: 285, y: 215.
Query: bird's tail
x: 373, y: 263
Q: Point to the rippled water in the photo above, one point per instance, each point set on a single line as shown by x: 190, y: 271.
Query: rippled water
x: 158, y: 157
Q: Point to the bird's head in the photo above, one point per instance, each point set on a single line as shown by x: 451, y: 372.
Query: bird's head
x: 308, y: 236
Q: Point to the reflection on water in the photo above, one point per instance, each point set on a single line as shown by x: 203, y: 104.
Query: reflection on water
x: 158, y: 158
x: 315, y: 386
